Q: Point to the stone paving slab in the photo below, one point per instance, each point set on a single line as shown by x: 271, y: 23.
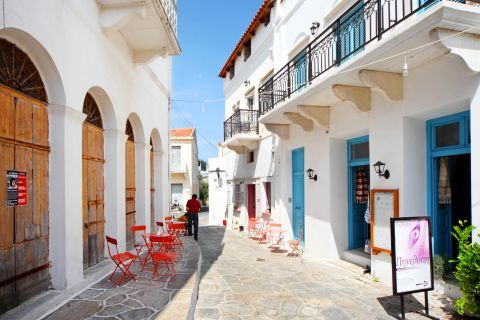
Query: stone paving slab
x: 142, y: 299
x: 241, y: 279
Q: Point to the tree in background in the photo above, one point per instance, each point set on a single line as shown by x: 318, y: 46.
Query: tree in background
x: 204, y: 192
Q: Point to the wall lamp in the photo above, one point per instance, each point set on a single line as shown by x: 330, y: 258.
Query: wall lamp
x: 246, y: 83
x: 380, y: 169
x: 314, y: 27
x: 218, y: 172
x: 311, y: 175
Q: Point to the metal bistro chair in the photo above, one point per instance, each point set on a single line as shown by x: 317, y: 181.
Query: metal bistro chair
x: 276, y: 234
x: 140, y: 241
x: 160, y: 228
x: 160, y: 255
x: 123, y: 260
x: 294, y: 244
x: 252, y: 228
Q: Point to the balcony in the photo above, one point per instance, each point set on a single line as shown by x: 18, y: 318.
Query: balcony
x: 179, y: 169
x: 348, y: 43
x: 148, y: 27
x: 241, y: 130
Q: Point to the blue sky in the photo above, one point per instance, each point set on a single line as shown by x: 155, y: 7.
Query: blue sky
x: 208, y: 32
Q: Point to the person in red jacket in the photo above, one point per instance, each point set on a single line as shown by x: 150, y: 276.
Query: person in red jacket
x: 193, y: 208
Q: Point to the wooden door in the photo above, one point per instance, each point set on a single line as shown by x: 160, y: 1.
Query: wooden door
x: 130, y: 189
x: 24, y: 231
x: 93, y: 195
x: 298, y: 200
x: 251, y: 201
x: 152, y: 190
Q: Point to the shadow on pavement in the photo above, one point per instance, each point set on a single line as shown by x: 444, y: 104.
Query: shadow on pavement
x: 391, y: 304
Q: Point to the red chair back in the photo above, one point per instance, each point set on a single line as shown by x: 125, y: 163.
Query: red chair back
x: 160, y: 227
x: 168, y: 218
x: 112, y: 242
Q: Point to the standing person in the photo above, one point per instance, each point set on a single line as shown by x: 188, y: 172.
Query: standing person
x: 193, y: 208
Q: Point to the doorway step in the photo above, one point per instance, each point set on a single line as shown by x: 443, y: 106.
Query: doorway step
x: 358, y: 257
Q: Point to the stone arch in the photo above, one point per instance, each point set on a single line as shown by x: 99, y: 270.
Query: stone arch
x: 137, y: 127
x: 156, y: 140
x: 105, y: 106
x: 43, y: 61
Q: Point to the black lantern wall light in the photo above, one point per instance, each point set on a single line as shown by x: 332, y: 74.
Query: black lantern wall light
x: 311, y: 175
x: 314, y: 28
x: 380, y: 169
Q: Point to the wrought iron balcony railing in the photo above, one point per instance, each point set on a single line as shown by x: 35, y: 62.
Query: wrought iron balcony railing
x: 362, y: 23
x: 170, y: 8
x: 242, y: 121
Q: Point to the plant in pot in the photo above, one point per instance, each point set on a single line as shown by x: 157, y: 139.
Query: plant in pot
x: 467, y: 270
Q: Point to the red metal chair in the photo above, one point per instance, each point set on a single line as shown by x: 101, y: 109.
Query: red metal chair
x: 161, y: 228
x: 252, y: 228
x: 294, y: 244
x: 168, y: 221
x: 140, y: 241
x: 276, y: 234
x: 160, y: 255
x: 123, y: 260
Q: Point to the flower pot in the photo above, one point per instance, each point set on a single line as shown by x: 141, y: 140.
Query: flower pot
x: 240, y: 228
x: 225, y: 223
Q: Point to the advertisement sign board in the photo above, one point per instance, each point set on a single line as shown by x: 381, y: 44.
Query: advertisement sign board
x: 16, y: 188
x: 412, y: 266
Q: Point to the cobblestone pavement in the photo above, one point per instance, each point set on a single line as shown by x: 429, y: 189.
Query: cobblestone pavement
x: 244, y: 280
x: 141, y: 299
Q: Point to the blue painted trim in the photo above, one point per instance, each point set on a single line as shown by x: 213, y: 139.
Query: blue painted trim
x: 351, y: 165
x: 295, y: 151
x: 433, y: 153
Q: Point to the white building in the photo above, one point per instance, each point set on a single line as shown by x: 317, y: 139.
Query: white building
x: 318, y: 85
x: 183, y: 164
x: 84, y: 105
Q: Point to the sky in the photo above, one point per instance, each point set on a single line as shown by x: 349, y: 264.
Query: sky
x: 208, y: 31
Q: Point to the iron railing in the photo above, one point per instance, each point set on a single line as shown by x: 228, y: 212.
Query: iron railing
x: 170, y: 8
x: 242, y: 121
x: 364, y: 22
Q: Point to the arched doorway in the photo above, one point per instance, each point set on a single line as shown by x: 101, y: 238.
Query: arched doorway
x: 93, y: 161
x: 24, y: 150
x: 130, y: 183
x: 152, y: 186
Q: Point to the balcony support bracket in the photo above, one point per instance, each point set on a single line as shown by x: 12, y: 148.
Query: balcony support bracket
x: 465, y: 45
x: 238, y: 149
x: 281, y: 130
x: 359, y: 97
x: 388, y: 84
x: 114, y: 17
x: 298, y: 119
x: 319, y: 114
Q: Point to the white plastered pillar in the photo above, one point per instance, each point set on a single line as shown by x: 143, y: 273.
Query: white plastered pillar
x: 142, y: 184
x: 475, y: 160
x: 157, y: 185
x: 65, y: 196
x: 115, y: 186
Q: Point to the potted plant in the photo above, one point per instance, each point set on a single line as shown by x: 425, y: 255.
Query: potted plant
x: 467, y: 270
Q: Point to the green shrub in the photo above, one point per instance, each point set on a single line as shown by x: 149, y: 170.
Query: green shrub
x: 438, y: 266
x: 467, y: 270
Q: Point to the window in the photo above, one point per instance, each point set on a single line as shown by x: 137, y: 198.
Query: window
x: 250, y: 102
x: 231, y: 71
x: 176, y: 158
x: 451, y: 131
x: 447, y: 135
x: 247, y: 51
x: 238, y: 200
x: 359, y: 151
x: 250, y: 157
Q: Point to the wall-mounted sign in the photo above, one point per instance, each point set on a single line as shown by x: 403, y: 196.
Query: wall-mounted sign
x: 411, y: 255
x: 16, y: 188
x: 383, y: 206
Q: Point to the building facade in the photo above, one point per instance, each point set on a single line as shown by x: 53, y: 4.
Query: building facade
x: 184, y: 171
x: 84, y: 104
x: 338, y: 86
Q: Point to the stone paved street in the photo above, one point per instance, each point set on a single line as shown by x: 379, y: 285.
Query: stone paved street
x: 244, y: 280
x: 141, y: 299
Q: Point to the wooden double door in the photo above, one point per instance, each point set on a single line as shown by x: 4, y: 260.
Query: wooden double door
x: 93, y: 195
x: 24, y: 230
x: 130, y: 190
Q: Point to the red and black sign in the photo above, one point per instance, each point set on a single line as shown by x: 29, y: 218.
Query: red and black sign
x: 16, y: 188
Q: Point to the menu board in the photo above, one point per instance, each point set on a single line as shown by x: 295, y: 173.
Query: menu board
x: 384, y: 205
x: 412, y: 255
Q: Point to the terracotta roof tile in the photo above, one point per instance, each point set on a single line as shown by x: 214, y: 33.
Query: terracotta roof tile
x: 182, y: 132
x: 247, y: 35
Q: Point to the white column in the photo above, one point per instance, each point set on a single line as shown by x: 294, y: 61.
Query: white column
x: 475, y: 160
x: 142, y: 184
x: 158, y: 185
x: 115, y: 186
x: 65, y: 196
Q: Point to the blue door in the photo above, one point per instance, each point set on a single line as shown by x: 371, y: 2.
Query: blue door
x: 351, y: 34
x: 358, y: 190
x: 448, y: 146
x: 298, y: 198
